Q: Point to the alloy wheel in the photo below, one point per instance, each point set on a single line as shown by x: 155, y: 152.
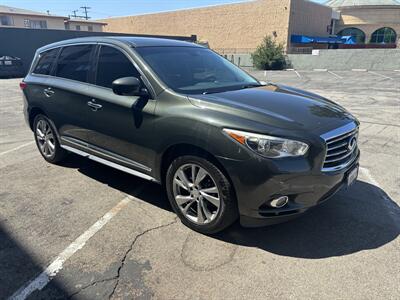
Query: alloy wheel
x: 45, y: 138
x: 196, y: 194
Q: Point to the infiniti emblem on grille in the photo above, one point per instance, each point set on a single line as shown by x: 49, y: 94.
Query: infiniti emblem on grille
x: 352, y: 144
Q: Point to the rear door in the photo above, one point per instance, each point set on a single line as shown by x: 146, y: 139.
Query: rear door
x: 37, y: 82
x: 67, y: 93
x: 123, y: 125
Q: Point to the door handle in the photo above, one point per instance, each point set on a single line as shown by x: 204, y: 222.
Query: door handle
x: 48, y: 92
x: 94, y: 106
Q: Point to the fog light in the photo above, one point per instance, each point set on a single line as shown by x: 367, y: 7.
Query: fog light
x: 279, y: 202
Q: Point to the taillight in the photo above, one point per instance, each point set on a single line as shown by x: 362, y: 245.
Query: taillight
x: 22, y: 85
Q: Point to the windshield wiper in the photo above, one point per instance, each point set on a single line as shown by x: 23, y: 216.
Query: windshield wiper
x: 251, y: 85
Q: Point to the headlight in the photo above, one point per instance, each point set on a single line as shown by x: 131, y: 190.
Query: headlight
x: 268, y: 146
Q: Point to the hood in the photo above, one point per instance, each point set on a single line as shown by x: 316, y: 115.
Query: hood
x: 277, y: 105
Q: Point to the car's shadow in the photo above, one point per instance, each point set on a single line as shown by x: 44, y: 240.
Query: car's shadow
x: 359, y: 218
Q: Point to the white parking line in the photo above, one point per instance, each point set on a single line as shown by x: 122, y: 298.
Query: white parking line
x: 297, y: 73
x: 334, y: 74
x: 393, y: 209
x: 16, y: 148
x: 381, y: 75
x: 47, y: 275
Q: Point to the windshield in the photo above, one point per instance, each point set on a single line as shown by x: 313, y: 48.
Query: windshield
x: 192, y: 70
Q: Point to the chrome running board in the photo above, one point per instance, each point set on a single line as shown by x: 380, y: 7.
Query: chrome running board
x: 109, y: 163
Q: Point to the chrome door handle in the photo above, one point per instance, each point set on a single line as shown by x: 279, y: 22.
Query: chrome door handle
x: 94, y: 106
x: 48, y: 92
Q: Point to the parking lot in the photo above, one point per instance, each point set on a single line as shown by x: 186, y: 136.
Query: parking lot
x: 83, y: 230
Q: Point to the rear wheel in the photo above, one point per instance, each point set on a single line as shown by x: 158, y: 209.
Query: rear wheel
x: 46, y: 140
x: 200, y: 194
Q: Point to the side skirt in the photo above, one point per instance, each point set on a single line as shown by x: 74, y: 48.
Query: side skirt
x: 109, y: 163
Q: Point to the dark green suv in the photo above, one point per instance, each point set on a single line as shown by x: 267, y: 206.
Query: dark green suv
x: 224, y: 144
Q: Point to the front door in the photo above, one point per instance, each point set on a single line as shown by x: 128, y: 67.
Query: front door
x: 120, y: 126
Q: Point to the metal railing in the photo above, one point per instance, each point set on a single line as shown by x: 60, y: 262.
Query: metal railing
x: 223, y: 51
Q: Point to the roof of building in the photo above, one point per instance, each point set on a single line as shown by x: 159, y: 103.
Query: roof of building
x: 132, y: 41
x: 19, y: 11
x: 78, y: 20
x: 347, y: 3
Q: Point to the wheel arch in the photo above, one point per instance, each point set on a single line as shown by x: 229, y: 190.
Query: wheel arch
x: 174, y: 151
x: 33, y: 112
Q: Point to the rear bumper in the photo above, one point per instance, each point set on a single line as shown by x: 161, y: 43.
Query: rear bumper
x: 26, y: 111
x: 258, y: 182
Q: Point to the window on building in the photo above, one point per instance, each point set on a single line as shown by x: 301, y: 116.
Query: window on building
x: 74, y: 62
x: 357, y: 34
x: 384, y: 35
x: 46, y: 61
x: 90, y: 28
x: 35, y: 24
x: 6, y: 20
x: 66, y: 26
x: 78, y: 27
x: 113, y: 64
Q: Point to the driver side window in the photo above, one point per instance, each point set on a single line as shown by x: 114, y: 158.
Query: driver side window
x: 113, y: 64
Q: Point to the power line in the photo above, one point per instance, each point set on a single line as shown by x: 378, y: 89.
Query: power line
x: 85, y: 9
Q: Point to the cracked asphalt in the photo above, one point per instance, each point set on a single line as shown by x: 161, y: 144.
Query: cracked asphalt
x: 348, y: 247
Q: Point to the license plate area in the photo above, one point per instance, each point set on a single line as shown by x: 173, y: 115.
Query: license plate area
x: 352, y: 176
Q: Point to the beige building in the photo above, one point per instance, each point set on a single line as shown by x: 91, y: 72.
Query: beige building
x: 21, y: 18
x: 369, y: 21
x: 84, y: 25
x: 236, y: 27
x: 240, y: 27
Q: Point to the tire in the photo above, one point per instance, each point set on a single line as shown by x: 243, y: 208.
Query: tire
x: 46, y: 140
x: 214, y: 215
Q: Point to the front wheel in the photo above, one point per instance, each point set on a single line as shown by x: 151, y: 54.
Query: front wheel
x: 201, y: 194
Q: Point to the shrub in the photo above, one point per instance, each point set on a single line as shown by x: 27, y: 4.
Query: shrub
x: 269, y: 55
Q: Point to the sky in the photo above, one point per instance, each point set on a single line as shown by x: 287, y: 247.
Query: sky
x: 112, y: 8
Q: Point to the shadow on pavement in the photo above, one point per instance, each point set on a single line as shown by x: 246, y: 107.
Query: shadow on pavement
x: 147, y: 191
x: 359, y: 218
x: 356, y: 219
x: 18, y: 267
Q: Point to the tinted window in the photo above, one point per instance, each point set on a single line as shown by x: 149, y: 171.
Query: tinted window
x: 74, y: 62
x: 193, y: 70
x: 46, y: 61
x: 113, y: 64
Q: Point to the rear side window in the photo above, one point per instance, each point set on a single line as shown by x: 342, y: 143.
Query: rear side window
x: 46, y: 61
x: 113, y: 64
x: 74, y: 62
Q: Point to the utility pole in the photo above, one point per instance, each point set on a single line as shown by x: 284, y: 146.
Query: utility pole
x: 74, y: 13
x: 85, y: 9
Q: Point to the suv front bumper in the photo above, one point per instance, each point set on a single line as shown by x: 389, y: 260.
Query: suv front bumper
x: 258, y: 181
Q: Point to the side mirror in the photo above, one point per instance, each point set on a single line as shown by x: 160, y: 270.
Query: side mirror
x: 128, y: 86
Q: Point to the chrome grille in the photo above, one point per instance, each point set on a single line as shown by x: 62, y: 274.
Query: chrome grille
x: 341, y: 147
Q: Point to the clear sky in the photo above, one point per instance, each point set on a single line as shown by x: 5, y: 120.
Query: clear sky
x: 112, y: 8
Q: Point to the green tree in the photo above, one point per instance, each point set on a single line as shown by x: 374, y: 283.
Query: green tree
x: 269, y: 55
